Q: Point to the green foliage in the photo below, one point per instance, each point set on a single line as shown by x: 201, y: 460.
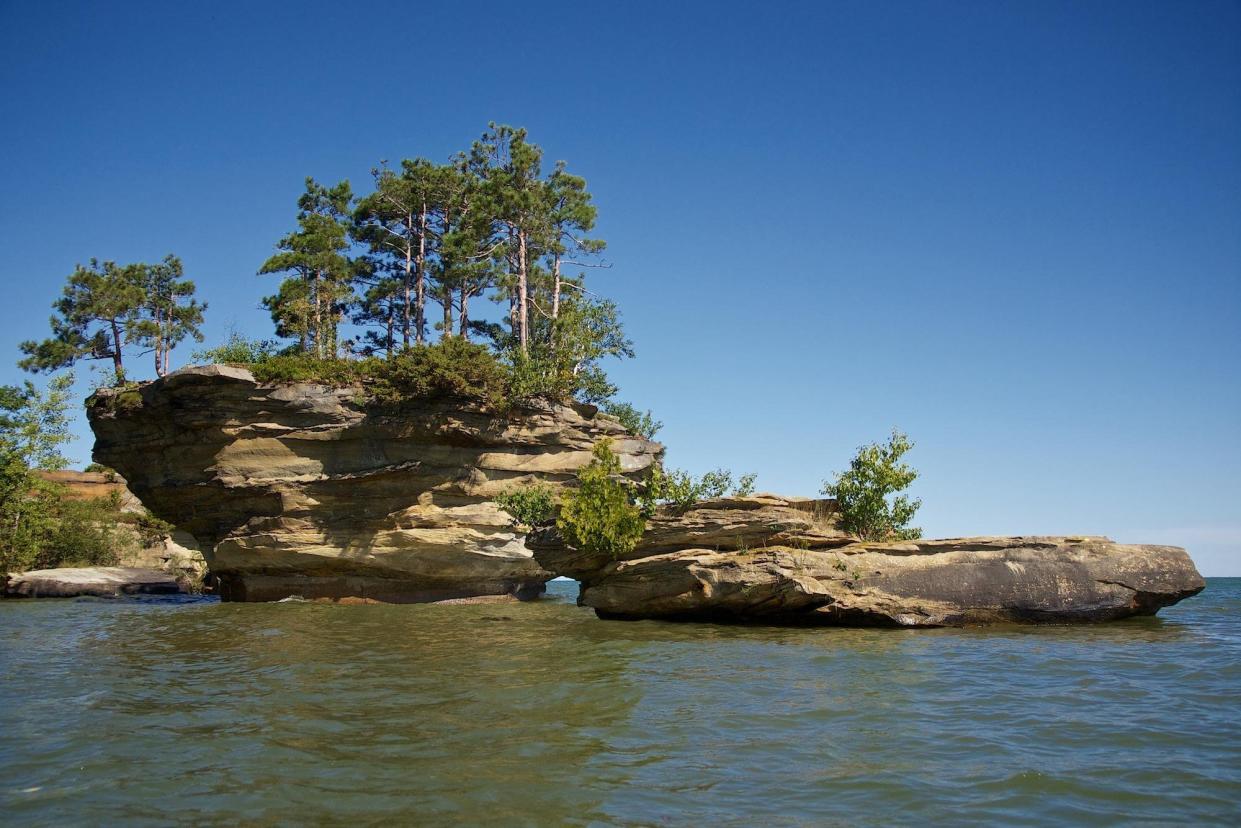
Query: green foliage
x: 489, y: 225
x: 681, y: 489
x: 584, y: 333
x: 598, y: 516
x: 641, y: 423
x: 39, y: 526
x: 452, y: 367
x: 106, y: 307
x: 301, y: 367
x: 310, y: 303
x: 533, y: 505
x: 170, y: 312
x: 42, y: 527
x: 238, y: 349
x: 867, y: 495
x: 34, y: 425
x: 745, y: 485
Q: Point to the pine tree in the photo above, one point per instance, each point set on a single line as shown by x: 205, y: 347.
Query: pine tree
x: 397, y: 221
x: 570, y: 216
x: 382, y: 304
x: 510, y: 192
x: 99, y: 306
x: 169, y: 313
x: 317, y: 256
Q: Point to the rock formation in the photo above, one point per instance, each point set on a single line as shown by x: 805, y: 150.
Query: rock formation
x: 97, y: 581
x: 303, y: 489
x: 176, y: 553
x: 785, y: 560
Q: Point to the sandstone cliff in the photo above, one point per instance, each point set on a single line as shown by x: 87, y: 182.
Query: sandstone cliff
x: 303, y: 489
x: 785, y: 560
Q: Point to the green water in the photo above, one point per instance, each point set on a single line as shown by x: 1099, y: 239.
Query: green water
x: 206, y: 713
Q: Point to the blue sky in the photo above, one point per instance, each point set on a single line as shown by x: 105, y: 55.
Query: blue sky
x: 1011, y: 229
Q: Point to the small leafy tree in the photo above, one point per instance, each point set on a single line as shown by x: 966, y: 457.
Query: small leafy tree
x: 238, y: 349
x: 682, y: 490
x: 597, y: 517
x: 867, y: 493
x: 34, y: 425
x: 530, y: 505
x: 637, y: 422
x: 39, y: 525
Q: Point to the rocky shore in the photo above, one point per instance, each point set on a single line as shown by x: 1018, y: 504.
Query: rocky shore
x: 300, y: 489
x: 92, y: 581
x: 784, y: 560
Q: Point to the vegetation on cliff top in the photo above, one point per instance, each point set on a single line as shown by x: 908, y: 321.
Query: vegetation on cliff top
x: 105, y: 308
x: 867, y: 492
x: 488, y: 228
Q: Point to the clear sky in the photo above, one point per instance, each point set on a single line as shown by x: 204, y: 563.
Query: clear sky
x: 1011, y: 229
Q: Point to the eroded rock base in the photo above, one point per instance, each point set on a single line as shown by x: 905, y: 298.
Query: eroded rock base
x: 367, y: 590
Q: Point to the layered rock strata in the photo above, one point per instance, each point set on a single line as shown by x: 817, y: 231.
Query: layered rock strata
x: 786, y: 561
x: 303, y: 489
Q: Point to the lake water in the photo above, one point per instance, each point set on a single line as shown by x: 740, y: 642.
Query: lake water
x: 197, y: 712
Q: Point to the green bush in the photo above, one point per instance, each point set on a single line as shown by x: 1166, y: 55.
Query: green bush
x: 307, y: 368
x: 636, y: 422
x: 681, y: 489
x: 597, y: 517
x: 43, y: 528
x: 453, y: 367
x: 867, y: 495
x: 238, y: 350
x: 533, y: 505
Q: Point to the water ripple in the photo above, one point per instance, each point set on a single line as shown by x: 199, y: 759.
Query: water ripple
x: 151, y: 712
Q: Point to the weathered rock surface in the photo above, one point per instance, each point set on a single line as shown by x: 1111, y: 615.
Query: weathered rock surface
x: 300, y: 489
x: 727, y: 523
x: 98, y: 581
x: 83, y: 485
x: 176, y: 553
x: 811, y: 573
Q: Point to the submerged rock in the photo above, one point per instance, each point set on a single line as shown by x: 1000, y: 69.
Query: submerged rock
x: 98, y: 581
x: 303, y: 489
x: 754, y: 563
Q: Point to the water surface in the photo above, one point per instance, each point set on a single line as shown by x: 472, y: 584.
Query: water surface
x: 197, y: 712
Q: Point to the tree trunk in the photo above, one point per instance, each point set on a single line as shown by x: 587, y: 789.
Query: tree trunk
x: 551, y: 330
x: 408, y: 269
x: 523, y: 292
x: 420, y: 308
x: 447, y: 332
x: 116, y: 350
x: 159, y: 343
x: 391, y: 340
x: 319, y: 313
x: 464, y: 327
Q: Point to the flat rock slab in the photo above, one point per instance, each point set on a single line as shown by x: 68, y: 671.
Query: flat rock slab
x: 769, y: 560
x: 97, y: 581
